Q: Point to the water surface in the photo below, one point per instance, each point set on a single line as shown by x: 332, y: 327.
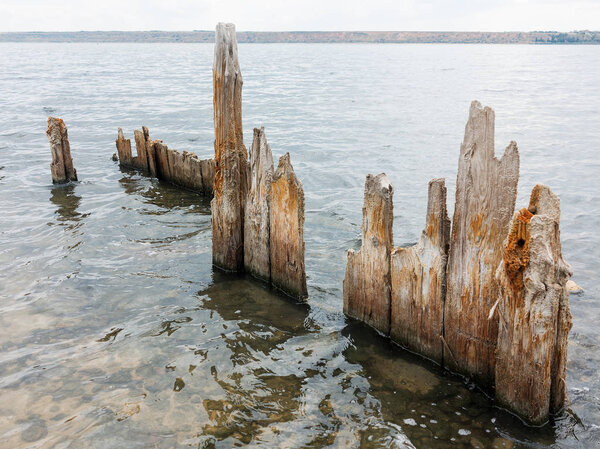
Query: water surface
x: 115, y: 331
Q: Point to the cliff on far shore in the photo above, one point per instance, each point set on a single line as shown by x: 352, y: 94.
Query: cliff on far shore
x: 425, y: 37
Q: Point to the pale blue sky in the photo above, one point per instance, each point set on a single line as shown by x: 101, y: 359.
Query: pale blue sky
x: 276, y: 15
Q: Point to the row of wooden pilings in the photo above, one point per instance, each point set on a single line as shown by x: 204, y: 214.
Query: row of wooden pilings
x: 257, y: 211
x: 484, y: 296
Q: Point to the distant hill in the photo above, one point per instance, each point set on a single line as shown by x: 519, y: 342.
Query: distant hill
x: 404, y: 37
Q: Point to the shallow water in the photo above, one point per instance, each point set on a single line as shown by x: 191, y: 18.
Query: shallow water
x: 116, y: 332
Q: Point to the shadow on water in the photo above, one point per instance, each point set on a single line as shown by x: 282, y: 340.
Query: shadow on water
x: 263, y: 386
x: 162, y: 194
x: 67, y: 203
x: 236, y: 297
x: 433, y: 406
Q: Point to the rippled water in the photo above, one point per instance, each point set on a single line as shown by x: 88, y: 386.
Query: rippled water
x: 115, y: 331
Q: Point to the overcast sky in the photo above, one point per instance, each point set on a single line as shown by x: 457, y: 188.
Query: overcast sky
x: 275, y: 15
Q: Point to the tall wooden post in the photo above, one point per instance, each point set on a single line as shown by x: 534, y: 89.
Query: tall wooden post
x: 231, y: 165
x: 486, y: 191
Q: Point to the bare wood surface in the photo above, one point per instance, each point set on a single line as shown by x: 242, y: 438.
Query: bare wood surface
x: 231, y: 165
x: 486, y: 190
x: 287, y: 230
x: 257, y: 252
x: 62, y: 163
x: 533, y: 308
x: 418, y: 278
x: 367, y: 280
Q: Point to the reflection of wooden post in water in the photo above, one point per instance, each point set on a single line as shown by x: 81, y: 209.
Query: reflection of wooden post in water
x: 62, y: 164
x: 67, y: 202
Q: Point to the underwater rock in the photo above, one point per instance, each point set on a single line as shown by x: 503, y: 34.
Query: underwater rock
x: 62, y: 164
x: 418, y: 279
x: 486, y: 192
x: 367, y: 280
x: 533, y: 311
x: 574, y: 288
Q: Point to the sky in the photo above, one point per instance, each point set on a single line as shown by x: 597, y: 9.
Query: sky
x: 305, y: 15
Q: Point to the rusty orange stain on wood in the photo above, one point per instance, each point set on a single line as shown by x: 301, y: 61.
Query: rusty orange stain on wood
x: 516, y: 253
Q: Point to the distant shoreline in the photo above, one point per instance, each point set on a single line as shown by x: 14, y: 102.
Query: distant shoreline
x: 267, y: 37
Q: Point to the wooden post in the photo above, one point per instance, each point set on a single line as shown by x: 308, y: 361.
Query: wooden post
x: 486, y: 191
x: 419, y: 281
x: 123, y: 149
x: 287, y: 230
x: 140, y: 149
x: 367, y: 280
x: 533, y: 311
x: 231, y: 165
x: 207, y: 168
x: 62, y: 164
x: 257, y: 252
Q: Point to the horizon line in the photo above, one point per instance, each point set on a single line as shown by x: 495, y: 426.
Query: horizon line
x: 304, y: 31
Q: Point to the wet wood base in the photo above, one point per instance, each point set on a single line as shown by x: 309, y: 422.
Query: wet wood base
x: 62, y: 164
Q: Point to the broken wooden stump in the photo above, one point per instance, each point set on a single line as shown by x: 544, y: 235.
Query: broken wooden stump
x: 367, y: 280
x: 533, y: 312
x: 486, y: 191
x: 492, y: 307
x: 257, y: 213
x: 418, y: 280
x: 156, y: 159
x: 62, y: 164
x: 124, y: 149
x: 286, y: 230
x: 231, y: 165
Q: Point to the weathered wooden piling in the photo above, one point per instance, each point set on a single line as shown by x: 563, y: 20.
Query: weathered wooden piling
x: 62, y: 164
x: 367, y: 289
x: 533, y: 312
x: 124, y: 149
x: 257, y: 213
x: 492, y: 307
x: 286, y: 230
x: 155, y: 158
x: 231, y: 165
x: 418, y: 280
x: 486, y: 191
